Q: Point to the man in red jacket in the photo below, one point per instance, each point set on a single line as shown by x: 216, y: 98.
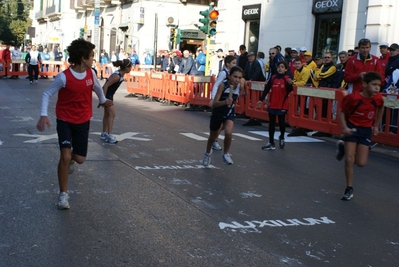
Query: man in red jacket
x: 6, y: 56
x: 360, y: 64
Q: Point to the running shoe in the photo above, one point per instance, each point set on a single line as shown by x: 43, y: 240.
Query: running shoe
x: 227, y: 159
x: 207, y: 159
x: 63, y: 201
x: 35, y: 81
x: 30, y: 82
x: 348, y: 194
x: 216, y: 146
x: 269, y: 146
x: 104, y: 135
x: 111, y: 139
x: 340, y: 152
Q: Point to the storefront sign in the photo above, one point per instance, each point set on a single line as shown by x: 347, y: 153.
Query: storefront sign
x: 251, y: 12
x: 327, y: 6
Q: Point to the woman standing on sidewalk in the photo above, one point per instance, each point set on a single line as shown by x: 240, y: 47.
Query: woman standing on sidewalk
x: 111, y: 85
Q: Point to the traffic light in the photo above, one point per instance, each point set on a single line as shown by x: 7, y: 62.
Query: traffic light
x: 205, y: 21
x: 82, y: 33
x: 172, y: 34
x: 213, y: 17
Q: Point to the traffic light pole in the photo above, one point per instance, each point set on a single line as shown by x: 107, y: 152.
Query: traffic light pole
x: 208, y: 43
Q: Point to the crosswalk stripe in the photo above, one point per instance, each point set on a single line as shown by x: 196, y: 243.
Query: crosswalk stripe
x: 194, y: 136
x: 289, y: 139
x: 247, y: 137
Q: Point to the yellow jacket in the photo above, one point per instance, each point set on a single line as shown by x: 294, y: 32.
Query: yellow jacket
x: 301, y: 77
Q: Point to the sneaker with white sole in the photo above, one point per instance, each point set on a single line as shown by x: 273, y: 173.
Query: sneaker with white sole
x: 227, y: 159
x: 71, y: 167
x: 63, y: 201
x: 348, y: 194
x: 269, y: 146
x: 207, y: 159
x: 35, y: 81
x: 104, y: 135
x: 111, y: 139
x: 216, y: 146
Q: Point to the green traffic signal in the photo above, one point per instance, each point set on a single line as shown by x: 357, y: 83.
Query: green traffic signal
x: 205, y: 21
x: 82, y: 33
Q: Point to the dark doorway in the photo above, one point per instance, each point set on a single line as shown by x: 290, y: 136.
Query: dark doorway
x: 327, y: 33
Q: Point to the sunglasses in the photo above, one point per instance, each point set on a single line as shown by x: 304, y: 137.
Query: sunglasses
x: 327, y: 57
x: 271, y: 54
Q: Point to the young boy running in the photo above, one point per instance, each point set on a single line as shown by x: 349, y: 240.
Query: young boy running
x: 360, y: 115
x: 73, y: 111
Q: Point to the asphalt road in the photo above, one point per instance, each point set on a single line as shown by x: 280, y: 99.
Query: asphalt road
x: 148, y: 201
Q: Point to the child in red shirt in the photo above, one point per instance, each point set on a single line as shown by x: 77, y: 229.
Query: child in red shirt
x: 73, y: 110
x: 360, y: 115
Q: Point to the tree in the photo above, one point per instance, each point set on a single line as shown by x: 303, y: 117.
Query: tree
x: 14, y: 25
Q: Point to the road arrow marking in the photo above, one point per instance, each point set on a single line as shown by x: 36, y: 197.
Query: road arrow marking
x: 39, y: 137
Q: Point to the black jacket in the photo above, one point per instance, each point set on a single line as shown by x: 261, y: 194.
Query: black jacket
x: 253, y: 72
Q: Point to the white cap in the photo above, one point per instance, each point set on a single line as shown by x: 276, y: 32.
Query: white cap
x: 384, y: 44
x: 294, y: 49
x: 303, y: 49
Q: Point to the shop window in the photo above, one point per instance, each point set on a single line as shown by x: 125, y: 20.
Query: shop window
x: 252, y: 36
x: 327, y: 34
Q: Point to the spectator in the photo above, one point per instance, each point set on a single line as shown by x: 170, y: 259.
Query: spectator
x: 174, y: 62
x: 274, y: 58
x: 360, y: 64
x: 16, y: 54
x: 233, y: 53
x: 217, y: 63
x: 309, y: 63
x: 294, y: 55
x: 6, y: 56
x: 253, y: 69
x: 134, y: 58
x: 58, y: 55
x: 165, y: 60
x: 301, y: 74
x: 121, y: 55
x: 33, y: 59
x: 103, y: 63
x: 187, y: 65
x: 147, y: 58
x: 113, y: 56
x: 351, y: 52
x: 338, y: 81
x: 44, y: 67
x: 287, y: 54
x: 260, y: 57
x: 200, y: 62
x: 319, y: 61
x: 302, y: 51
x: 391, y: 67
x: 384, y: 55
x: 243, y: 58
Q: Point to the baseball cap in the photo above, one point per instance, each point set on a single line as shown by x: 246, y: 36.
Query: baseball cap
x: 303, y: 48
x: 317, y: 57
x: 219, y: 50
x: 394, y: 46
x: 384, y: 44
x: 307, y: 53
x: 251, y: 54
x: 294, y: 49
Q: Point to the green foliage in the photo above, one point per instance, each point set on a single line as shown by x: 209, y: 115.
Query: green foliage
x: 14, y: 20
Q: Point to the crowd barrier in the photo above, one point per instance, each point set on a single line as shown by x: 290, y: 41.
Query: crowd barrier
x: 20, y: 68
x: 176, y: 88
x: 306, y: 105
x: 389, y: 134
x: 199, y: 88
x: 2, y: 68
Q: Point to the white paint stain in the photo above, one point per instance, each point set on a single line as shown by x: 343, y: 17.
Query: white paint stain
x: 252, y: 226
x: 175, y: 167
x: 249, y: 194
x: 177, y: 181
x: 1, y: 143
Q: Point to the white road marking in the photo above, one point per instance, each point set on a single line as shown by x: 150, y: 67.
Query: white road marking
x: 289, y: 139
x: 247, y: 137
x: 221, y: 137
x: 39, y: 137
x: 128, y: 135
x: 20, y: 118
x: 194, y: 136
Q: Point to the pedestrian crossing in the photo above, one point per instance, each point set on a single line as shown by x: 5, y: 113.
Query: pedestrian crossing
x: 254, y: 136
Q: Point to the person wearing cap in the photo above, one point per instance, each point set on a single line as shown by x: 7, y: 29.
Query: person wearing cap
x: 384, y: 54
x: 358, y: 65
x: 302, y: 51
x: 294, y: 54
x: 392, y: 65
x: 233, y: 53
x: 310, y: 64
x: 253, y: 69
x: 319, y: 61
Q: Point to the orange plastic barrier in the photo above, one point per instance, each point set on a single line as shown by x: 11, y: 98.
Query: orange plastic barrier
x: 20, y: 65
x: 199, y: 89
x: 2, y: 68
x: 53, y: 68
x: 255, y: 92
x: 138, y: 83
x: 156, y: 85
x: 176, y: 88
x: 303, y: 97
x: 389, y: 134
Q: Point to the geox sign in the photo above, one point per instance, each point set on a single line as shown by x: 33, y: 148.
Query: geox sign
x: 327, y: 6
x: 251, y: 12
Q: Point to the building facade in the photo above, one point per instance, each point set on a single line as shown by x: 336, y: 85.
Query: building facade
x: 144, y: 25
